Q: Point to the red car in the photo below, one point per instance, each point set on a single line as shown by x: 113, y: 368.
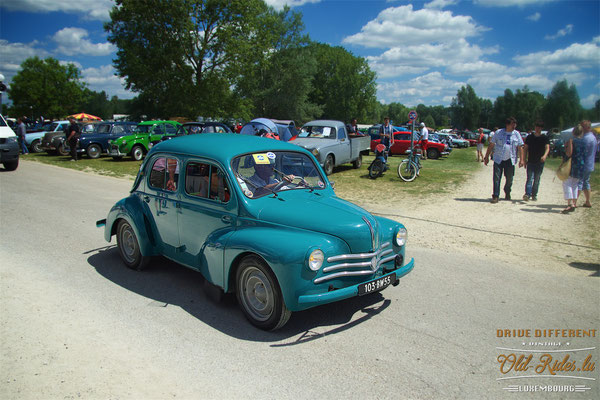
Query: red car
x: 402, y: 144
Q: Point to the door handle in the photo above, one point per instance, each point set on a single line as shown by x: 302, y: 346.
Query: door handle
x: 226, y: 218
x: 147, y: 199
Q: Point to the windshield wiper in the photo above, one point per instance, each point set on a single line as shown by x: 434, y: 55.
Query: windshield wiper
x: 246, y: 180
x: 302, y: 182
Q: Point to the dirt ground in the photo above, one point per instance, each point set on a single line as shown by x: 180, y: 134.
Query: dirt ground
x: 534, y: 233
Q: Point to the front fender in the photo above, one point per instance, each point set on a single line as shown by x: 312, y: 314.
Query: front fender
x: 129, y: 210
x: 285, y: 250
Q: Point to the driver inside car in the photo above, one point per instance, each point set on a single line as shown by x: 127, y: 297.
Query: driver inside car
x: 263, y: 179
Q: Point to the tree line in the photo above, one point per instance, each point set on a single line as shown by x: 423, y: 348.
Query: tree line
x: 241, y: 59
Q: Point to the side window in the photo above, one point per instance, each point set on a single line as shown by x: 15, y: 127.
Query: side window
x: 158, y: 129
x: 170, y: 129
x: 118, y: 129
x: 208, y: 129
x: 341, y: 133
x: 206, y: 181
x: 165, y: 174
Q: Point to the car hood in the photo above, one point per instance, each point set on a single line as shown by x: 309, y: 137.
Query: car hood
x: 312, y: 143
x: 325, y: 214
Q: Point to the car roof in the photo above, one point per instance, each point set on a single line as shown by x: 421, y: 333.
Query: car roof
x: 325, y: 122
x: 222, y: 147
x: 162, y: 121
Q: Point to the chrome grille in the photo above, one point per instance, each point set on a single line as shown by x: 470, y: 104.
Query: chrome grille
x: 357, y: 264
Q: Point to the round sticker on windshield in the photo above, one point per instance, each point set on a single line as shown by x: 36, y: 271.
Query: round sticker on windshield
x: 271, y: 155
x: 320, y: 184
x: 248, y: 193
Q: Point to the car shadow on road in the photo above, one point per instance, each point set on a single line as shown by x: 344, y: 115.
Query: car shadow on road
x: 594, y: 268
x: 166, y: 283
x: 473, y: 199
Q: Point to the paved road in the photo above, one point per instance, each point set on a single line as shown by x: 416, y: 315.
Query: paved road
x: 75, y: 323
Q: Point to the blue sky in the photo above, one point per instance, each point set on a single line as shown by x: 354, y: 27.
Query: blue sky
x: 422, y: 51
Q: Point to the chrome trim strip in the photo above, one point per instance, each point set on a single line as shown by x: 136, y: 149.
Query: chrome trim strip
x: 358, y: 255
x: 347, y: 265
x: 387, y: 259
x: 343, y: 273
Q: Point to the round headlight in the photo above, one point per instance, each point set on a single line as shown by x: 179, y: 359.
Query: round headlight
x: 401, y: 236
x: 315, y: 260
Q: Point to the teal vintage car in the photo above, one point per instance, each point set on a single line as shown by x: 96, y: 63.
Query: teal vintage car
x: 259, y: 218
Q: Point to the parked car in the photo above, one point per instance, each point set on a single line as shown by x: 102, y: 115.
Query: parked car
x: 9, y: 146
x: 34, y: 140
x: 459, y: 142
x: 96, y: 143
x: 373, y: 131
x: 139, y: 142
x: 402, y: 144
x: 470, y: 137
x: 329, y: 142
x: 191, y: 128
x: 52, y: 141
x: 287, y: 247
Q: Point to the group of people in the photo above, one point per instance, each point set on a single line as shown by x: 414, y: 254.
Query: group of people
x: 507, y: 148
x: 386, y: 131
x: 73, y: 132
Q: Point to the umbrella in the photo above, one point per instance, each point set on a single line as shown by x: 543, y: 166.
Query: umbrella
x: 82, y: 116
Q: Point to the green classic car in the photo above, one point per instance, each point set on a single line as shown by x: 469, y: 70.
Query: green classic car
x: 138, y: 144
x: 259, y: 218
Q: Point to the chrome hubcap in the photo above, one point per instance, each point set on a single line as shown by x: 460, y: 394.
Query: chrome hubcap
x: 257, y: 294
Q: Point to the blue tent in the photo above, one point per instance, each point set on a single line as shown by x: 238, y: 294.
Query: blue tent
x: 285, y: 131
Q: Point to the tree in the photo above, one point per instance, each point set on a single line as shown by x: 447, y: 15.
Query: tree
x: 45, y: 87
x: 466, y: 107
x: 563, y: 108
x: 185, y: 55
x: 343, y: 84
x: 485, y: 115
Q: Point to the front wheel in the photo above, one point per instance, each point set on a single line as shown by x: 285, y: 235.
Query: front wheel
x: 36, y: 146
x: 137, y: 153
x: 376, y: 169
x: 11, y: 165
x: 328, y: 166
x: 129, y: 247
x: 259, y: 295
x: 432, y: 153
x: 407, y: 171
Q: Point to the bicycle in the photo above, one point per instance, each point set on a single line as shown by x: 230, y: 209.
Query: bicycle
x: 409, y: 168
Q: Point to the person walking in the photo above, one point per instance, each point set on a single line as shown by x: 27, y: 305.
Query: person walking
x: 480, y: 142
x: 424, y: 140
x: 536, y: 149
x: 590, y: 144
x: 21, y: 132
x: 73, y: 137
x: 505, y: 146
x: 574, y: 148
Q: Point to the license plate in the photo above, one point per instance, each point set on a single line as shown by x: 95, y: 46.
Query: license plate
x: 376, y: 285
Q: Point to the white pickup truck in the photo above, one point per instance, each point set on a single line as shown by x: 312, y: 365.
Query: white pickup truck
x: 331, y: 144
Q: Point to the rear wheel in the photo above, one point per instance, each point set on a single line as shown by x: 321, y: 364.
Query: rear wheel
x: 407, y: 171
x: 61, y: 150
x: 358, y: 162
x: 137, y: 153
x: 94, y: 151
x: 376, y: 169
x: 129, y: 247
x: 36, y: 146
x: 259, y: 295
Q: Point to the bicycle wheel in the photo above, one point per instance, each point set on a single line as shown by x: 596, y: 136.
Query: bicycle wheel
x: 376, y: 169
x: 407, y: 171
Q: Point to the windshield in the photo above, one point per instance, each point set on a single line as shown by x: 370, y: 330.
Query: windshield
x: 260, y: 174
x: 321, y: 132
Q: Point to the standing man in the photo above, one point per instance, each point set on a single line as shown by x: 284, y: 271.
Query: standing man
x: 536, y: 149
x: 480, y: 141
x: 589, y: 156
x: 21, y: 131
x: 73, y: 137
x: 424, y: 140
x: 387, y: 133
x: 505, y: 144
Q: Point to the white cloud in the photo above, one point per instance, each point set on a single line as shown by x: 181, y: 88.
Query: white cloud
x: 535, y: 17
x: 574, y: 57
x: 104, y: 78
x: 13, y: 54
x: 562, y: 32
x: 590, y: 101
x: 511, y: 3
x: 418, y: 27
x: 439, y: 4
x: 71, y: 41
x: 428, y: 89
x: 279, y: 4
x: 91, y: 9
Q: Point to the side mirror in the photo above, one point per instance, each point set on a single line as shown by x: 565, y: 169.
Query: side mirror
x: 332, y: 183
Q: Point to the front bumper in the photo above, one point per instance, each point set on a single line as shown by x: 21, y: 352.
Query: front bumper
x: 312, y: 300
x: 9, y: 150
x: 114, y: 151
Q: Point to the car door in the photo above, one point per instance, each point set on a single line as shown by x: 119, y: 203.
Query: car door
x: 207, y: 217
x: 163, y: 201
x: 344, y: 148
x: 401, y: 143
